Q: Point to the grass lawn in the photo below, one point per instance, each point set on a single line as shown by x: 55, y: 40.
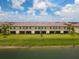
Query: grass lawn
x: 31, y: 40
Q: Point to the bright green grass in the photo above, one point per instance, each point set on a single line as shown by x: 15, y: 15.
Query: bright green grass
x: 30, y: 40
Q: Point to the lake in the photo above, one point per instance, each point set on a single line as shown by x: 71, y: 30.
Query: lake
x: 40, y: 53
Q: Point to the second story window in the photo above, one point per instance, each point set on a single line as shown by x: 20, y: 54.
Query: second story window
x: 27, y: 27
x: 41, y: 27
x: 38, y: 27
x: 19, y: 27
x: 59, y: 27
x: 30, y: 27
x: 10, y: 27
x: 14, y: 28
x: 45, y: 27
x: 65, y: 27
x: 23, y: 27
x: 50, y: 27
x: 35, y: 27
x: 54, y: 27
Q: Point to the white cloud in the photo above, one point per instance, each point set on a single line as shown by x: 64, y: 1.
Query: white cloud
x: 76, y: 1
x: 70, y: 11
x: 17, y: 4
x: 1, y: 12
x: 41, y: 5
x: 11, y: 16
x: 43, y: 12
x: 31, y: 11
x: 0, y: 8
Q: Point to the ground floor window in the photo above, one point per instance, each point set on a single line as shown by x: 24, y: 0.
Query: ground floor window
x: 65, y: 32
x: 28, y: 32
x: 54, y: 32
x: 57, y: 32
x: 37, y: 32
x: 22, y: 32
x: 43, y: 32
x: 13, y: 32
x: 0, y: 30
x: 51, y: 32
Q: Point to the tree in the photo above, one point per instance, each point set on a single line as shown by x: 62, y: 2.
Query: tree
x: 70, y: 28
x: 41, y: 32
x: 5, y: 27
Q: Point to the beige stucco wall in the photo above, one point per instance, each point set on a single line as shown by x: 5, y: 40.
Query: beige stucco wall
x: 47, y: 29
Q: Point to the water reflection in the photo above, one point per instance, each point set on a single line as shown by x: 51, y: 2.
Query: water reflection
x: 41, y: 53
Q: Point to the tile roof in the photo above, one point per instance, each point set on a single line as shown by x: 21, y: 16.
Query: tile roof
x: 41, y: 23
x: 38, y: 24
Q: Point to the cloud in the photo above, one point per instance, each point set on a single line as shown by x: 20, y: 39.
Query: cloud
x: 17, y: 4
x: 42, y: 6
x: 31, y: 11
x: 0, y: 8
x: 12, y: 17
x: 76, y: 1
x: 70, y: 11
x: 43, y: 12
x: 67, y: 13
x: 1, y: 12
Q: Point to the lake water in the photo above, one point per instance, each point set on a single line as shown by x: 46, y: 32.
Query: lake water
x: 40, y: 53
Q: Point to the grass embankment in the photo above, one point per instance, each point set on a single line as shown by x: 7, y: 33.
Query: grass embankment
x: 37, y: 40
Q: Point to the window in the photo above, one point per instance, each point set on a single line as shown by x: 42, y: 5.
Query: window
x: 13, y: 32
x: 38, y: 27
x: 30, y: 27
x: 41, y: 27
x: 20, y: 27
x: 14, y: 28
x: 53, y: 27
x: 10, y: 27
x: 68, y: 27
x: 23, y: 27
x: 35, y: 27
x: 27, y: 27
x: 59, y: 27
x: 50, y: 27
x: 65, y: 27
x: 45, y: 27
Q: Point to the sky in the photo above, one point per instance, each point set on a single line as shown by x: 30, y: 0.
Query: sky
x: 39, y: 10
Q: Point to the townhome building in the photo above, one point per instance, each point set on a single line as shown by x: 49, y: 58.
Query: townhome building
x: 41, y: 27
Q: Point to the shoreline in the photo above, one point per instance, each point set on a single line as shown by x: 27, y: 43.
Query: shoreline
x: 53, y: 46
